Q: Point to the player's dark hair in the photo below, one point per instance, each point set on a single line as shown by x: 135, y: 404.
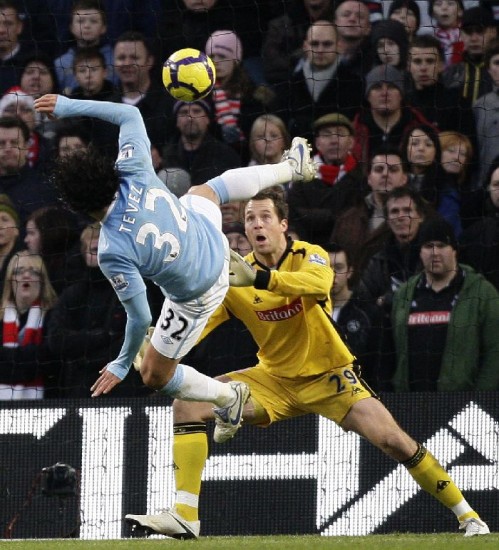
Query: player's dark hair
x: 277, y: 197
x: 86, y: 181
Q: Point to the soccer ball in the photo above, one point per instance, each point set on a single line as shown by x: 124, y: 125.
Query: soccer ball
x: 189, y: 74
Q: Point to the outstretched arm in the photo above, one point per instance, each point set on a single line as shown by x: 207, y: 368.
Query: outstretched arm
x: 138, y: 321
x: 127, y: 117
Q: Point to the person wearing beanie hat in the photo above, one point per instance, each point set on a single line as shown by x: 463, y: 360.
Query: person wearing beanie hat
x: 384, y: 74
x: 203, y: 103
x: 444, y: 321
x: 436, y: 230
x: 224, y: 45
x: 38, y: 76
x: 479, y: 28
x: 237, y: 100
x: 195, y: 148
x: 470, y: 76
x: 16, y: 97
x: 406, y: 12
x: 385, y: 120
x: 390, y: 44
x: 236, y: 235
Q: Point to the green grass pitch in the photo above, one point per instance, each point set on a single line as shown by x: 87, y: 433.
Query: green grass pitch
x: 372, y: 542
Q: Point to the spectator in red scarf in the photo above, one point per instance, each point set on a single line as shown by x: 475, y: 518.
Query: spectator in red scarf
x: 315, y: 206
x: 237, y: 100
x: 28, y: 296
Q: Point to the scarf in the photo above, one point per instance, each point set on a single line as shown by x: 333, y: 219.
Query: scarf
x: 31, y: 333
x: 332, y: 173
x: 317, y: 80
x: 227, y: 110
x: 448, y: 37
x: 14, y: 337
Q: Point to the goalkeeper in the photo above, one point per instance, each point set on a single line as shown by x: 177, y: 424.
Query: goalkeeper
x: 282, y: 296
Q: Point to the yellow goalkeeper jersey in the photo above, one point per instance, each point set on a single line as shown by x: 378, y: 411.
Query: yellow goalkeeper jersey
x: 290, y: 321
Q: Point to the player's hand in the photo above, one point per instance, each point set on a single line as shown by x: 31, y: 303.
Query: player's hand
x: 137, y: 362
x: 240, y: 271
x: 105, y: 383
x: 46, y: 104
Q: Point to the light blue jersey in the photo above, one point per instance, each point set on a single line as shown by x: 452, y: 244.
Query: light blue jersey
x: 147, y: 232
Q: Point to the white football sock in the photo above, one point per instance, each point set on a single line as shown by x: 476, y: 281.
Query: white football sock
x: 244, y: 183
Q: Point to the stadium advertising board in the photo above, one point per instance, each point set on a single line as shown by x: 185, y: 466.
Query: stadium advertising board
x: 302, y: 476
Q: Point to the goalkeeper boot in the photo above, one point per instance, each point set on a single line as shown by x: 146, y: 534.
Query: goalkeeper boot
x: 229, y: 419
x: 167, y: 523
x: 473, y: 527
x: 298, y: 156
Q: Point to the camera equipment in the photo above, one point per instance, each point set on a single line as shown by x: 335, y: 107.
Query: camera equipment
x: 59, y: 480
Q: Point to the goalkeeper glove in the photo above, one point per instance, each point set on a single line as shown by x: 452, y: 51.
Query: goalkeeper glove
x: 137, y: 362
x: 240, y: 271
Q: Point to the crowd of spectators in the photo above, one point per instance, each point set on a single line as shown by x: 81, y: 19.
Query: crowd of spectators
x: 400, y: 107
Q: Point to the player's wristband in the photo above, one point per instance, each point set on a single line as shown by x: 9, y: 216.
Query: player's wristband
x: 262, y: 280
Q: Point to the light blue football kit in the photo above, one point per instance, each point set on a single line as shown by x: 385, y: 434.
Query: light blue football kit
x: 148, y: 232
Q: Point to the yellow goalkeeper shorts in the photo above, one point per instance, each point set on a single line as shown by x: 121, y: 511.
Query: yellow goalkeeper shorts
x: 330, y: 394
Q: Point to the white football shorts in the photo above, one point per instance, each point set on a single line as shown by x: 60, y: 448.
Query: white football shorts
x: 180, y: 324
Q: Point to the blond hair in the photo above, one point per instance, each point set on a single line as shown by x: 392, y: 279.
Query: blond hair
x: 260, y: 124
x: 48, y: 296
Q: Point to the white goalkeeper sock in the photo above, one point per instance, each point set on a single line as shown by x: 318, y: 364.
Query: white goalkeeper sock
x: 243, y: 183
x: 190, y: 385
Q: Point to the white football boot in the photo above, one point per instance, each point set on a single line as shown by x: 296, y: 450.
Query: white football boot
x: 167, y: 523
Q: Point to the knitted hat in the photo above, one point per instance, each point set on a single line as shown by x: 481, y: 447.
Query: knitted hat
x: 333, y: 119
x: 410, y: 5
x: 394, y: 30
x: 201, y: 102
x: 8, y: 207
x: 16, y: 95
x: 437, y: 229
x: 225, y: 43
x: 478, y: 17
x: 384, y: 73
